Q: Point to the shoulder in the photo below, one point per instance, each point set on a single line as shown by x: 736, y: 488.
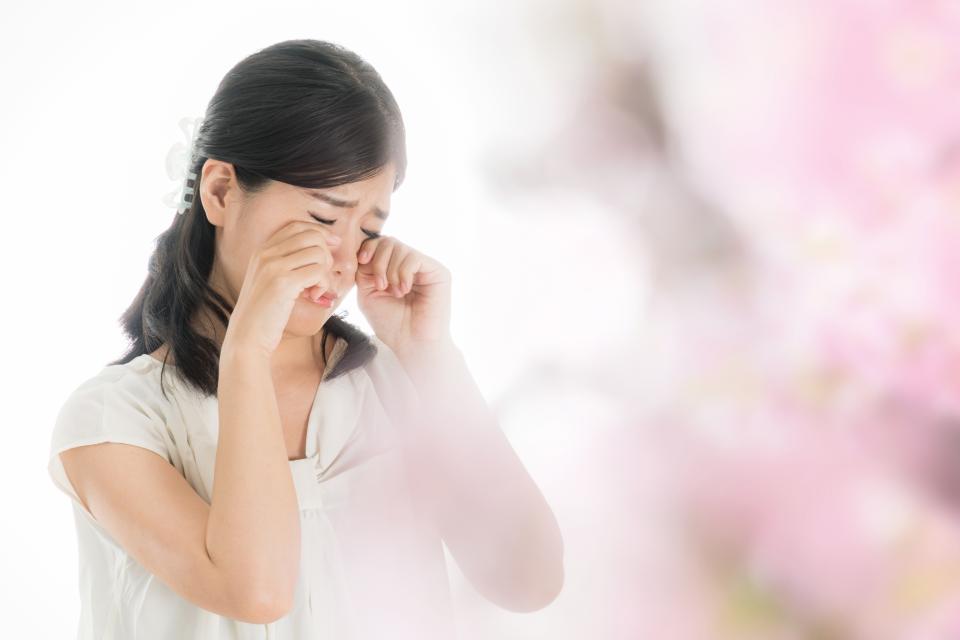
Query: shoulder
x: 132, y: 384
x: 120, y: 403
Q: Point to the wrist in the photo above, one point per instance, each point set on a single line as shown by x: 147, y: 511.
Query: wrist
x: 234, y: 355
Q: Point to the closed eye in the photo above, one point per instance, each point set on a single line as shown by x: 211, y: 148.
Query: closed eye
x: 370, y: 234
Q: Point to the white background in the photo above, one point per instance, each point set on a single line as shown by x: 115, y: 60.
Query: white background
x: 544, y: 278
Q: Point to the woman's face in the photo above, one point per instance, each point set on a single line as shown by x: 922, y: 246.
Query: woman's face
x: 245, y: 221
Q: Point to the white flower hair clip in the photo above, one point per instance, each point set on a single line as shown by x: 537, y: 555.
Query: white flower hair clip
x: 179, y: 158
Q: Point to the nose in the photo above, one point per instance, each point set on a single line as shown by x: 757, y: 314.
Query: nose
x: 345, y: 254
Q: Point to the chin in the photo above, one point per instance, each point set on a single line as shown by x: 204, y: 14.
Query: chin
x: 308, y: 317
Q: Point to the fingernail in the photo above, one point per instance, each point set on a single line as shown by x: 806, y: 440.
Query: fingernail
x: 363, y: 255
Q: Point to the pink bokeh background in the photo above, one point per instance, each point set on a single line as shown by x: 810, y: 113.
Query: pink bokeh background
x: 775, y: 452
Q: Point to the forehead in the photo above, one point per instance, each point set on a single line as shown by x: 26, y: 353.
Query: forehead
x: 341, y: 201
x: 371, y: 195
x: 377, y: 187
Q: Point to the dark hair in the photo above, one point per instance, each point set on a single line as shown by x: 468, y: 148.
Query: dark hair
x: 305, y: 112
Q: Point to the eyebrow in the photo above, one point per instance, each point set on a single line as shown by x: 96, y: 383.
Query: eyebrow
x: 337, y: 202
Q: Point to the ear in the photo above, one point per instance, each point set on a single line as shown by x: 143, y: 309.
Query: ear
x: 218, y: 189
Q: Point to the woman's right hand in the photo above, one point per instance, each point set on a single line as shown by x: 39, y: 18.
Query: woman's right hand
x: 296, y: 257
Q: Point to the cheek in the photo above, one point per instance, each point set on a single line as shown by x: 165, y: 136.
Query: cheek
x: 230, y: 259
x: 234, y: 248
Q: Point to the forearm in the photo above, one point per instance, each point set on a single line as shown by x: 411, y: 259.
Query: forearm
x: 253, y: 533
x: 488, y: 509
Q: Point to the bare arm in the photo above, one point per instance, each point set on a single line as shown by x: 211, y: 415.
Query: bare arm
x: 237, y: 556
x: 490, y: 512
x: 157, y: 518
x: 253, y: 531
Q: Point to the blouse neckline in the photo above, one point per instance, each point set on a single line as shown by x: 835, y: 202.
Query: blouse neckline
x: 335, y: 353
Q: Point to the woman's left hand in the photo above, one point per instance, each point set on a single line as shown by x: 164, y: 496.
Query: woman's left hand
x: 412, y: 307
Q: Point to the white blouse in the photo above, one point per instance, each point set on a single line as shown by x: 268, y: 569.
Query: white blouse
x: 370, y: 565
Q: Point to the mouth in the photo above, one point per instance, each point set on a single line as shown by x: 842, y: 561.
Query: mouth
x: 328, y: 296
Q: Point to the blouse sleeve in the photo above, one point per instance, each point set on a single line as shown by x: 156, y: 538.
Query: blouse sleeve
x: 113, y: 406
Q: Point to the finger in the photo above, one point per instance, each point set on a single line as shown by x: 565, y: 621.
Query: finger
x: 364, y: 272
x: 295, y: 236
x: 380, y: 261
x: 408, y: 270
x: 367, y: 248
x: 397, y: 255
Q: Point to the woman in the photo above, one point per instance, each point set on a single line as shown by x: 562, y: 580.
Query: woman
x: 293, y: 477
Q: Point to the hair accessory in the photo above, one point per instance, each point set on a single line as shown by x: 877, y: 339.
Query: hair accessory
x: 179, y: 158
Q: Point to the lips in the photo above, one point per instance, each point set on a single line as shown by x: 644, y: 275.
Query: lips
x: 327, y: 295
